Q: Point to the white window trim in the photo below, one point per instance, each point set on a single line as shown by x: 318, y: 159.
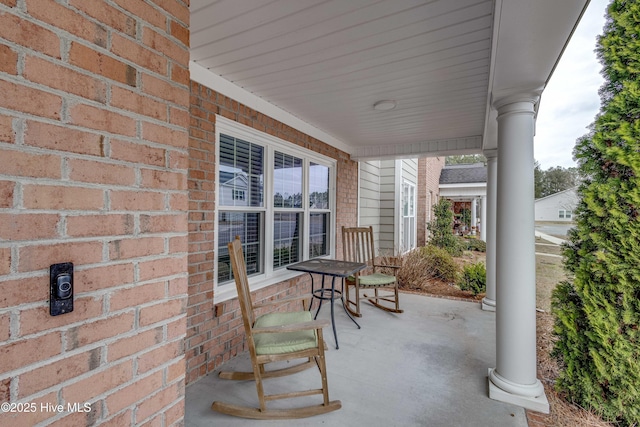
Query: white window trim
x: 271, y: 144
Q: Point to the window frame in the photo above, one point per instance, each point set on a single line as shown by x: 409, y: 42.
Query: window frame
x: 271, y: 144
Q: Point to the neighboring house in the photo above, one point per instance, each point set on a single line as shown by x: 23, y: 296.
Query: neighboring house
x: 557, y: 207
x: 466, y: 186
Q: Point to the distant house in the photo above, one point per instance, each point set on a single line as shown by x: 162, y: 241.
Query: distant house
x: 466, y: 186
x: 557, y: 207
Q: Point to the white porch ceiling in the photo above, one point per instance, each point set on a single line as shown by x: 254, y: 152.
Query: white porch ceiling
x: 326, y: 62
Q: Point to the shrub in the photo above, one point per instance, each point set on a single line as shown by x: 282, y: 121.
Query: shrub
x: 473, y: 278
x: 476, y: 245
x: 440, y: 263
x: 441, y: 229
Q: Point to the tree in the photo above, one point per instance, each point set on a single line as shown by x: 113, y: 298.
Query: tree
x: 465, y: 159
x: 598, y: 309
x: 441, y: 228
x: 553, y: 180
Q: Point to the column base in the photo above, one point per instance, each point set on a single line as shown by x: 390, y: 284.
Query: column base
x: 535, y: 403
x: 488, y: 304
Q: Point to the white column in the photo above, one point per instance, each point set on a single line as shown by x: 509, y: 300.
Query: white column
x: 490, y: 227
x: 514, y: 379
x: 474, y: 214
x: 483, y: 218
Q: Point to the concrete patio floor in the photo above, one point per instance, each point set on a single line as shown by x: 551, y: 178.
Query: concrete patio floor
x: 425, y: 367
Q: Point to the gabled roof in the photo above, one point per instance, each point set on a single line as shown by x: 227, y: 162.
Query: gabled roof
x: 560, y: 193
x: 463, y: 174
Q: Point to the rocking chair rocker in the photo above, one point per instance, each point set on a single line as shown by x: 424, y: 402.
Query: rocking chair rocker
x: 275, y: 337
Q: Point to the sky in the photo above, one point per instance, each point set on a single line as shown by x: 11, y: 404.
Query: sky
x: 570, y: 101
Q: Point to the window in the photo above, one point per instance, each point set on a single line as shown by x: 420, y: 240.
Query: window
x: 408, y: 216
x: 565, y: 214
x: 277, y: 197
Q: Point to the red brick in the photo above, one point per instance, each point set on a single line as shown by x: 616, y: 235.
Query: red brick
x: 30, y: 35
x: 28, y: 419
x: 22, y: 353
x: 174, y: 414
x: 163, y: 223
x: 88, y: 333
x: 180, y: 32
x: 19, y: 163
x: 6, y: 128
x: 62, y: 198
x: 8, y: 60
x: 123, y: 419
x: 107, y: 15
x: 98, y: 383
x: 179, y: 202
x: 62, y: 17
x: 109, y: 276
x: 178, y: 286
x: 100, y: 225
x: 79, y: 418
x: 177, y: 116
x: 63, y: 138
x: 10, y: 3
x: 101, y: 173
x: 176, y: 328
x: 132, y: 51
x: 178, y: 244
x: 23, y: 291
x: 134, y: 344
x: 101, y: 119
x: 165, y: 135
x: 166, y: 46
x: 36, y: 257
x: 138, y: 295
x: 57, y: 372
x: 102, y: 64
x: 137, y: 153
x: 65, y: 79
x: 28, y: 226
x: 28, y: 100
x: 135, y: 247
x: 176, y: 371
x: 38, y: 319
x: 144, y: 12
x: 149, y: 270
x: 177, y: 9
x: 137, y: 103
x: 165, y: 180
x: 156, y: 402
x: 179, y: 160
x: 133, y: 393
x: 6, y: 194
x: 5, y: 261
x: 159, y: 312
x: 159, y: 356
x: 165, y: 90
x: 137, y: 200
x: 5, y: 332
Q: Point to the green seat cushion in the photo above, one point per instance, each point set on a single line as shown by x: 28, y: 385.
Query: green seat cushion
x: 285, y: 342
x: 377, y: 279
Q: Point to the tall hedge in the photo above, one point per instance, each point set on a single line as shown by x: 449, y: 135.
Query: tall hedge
x: 598, y: 309
x: 441, y: 228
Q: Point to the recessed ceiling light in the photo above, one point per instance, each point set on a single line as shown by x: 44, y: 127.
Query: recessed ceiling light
x: 385, y: 105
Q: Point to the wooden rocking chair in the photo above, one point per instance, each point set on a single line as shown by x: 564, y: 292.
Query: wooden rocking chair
x: 275, y: 337
x: 357, y: 245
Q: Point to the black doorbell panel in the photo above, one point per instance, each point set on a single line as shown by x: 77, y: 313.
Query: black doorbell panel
x: 60, y: 288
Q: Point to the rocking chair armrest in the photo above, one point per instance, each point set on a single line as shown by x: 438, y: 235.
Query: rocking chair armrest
x: 270, y: 303
x: 294, y: 327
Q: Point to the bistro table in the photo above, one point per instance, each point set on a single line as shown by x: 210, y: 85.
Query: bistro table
x: 333, y: 268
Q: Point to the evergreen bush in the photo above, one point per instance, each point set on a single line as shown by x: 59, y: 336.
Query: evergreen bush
x: 598, y: 309
x: 441, y: 229
x: 473, y: 278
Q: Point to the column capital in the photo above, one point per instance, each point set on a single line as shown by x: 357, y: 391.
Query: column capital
x: 529, y: 96
x: 490, y: 153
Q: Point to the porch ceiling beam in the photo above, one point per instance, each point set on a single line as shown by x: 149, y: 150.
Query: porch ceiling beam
x: 436, y: 148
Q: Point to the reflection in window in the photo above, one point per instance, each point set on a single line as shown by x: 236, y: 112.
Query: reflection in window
x: 286, y: 238
x: 249, y: 227
x: 287, y: 181
x: 241, y: 172
x: 318, y: 234
x: 318, y: 186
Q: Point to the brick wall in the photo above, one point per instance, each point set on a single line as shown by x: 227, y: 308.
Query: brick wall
x: 429, y: 169
x: 93, y: 170
x: 214, y: 330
